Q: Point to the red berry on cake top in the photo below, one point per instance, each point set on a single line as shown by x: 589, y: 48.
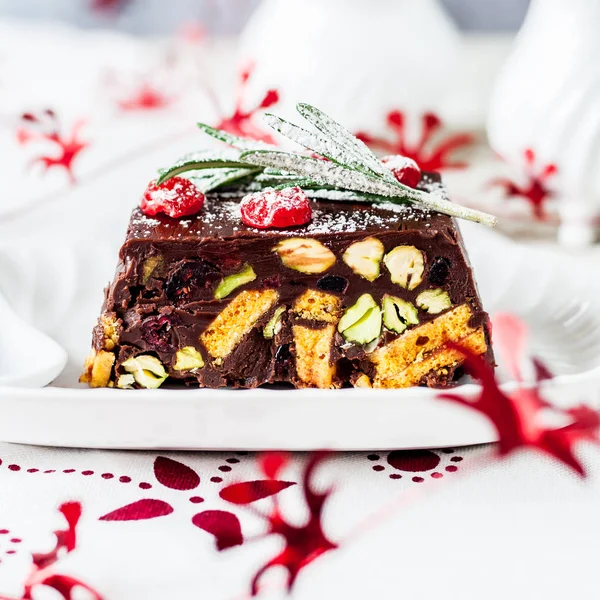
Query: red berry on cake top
x: 276, y: 208
x: 176, y: 197
x: 404, y: 169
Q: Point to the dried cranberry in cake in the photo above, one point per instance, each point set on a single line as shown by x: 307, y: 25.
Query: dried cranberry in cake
x: 192, y: 280
x: 404, y: 169
x: 289, y: 207
x: 439, y: 270
x: 333, y: 283
x: 176, y: 197
x: 271, y: 282
x: 158, y: 332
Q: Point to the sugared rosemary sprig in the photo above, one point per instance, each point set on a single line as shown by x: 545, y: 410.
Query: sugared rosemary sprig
x: 350, y: 169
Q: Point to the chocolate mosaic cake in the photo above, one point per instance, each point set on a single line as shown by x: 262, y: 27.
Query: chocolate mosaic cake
x: 370, y: 294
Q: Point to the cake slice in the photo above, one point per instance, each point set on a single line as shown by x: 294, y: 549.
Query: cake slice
x: 270, y: 287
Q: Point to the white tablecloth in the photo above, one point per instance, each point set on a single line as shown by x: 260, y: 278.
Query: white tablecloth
x: 523, y: 528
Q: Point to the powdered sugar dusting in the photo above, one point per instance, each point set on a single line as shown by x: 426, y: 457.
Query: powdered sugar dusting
x: 221, y: 217
x: 142, y: 223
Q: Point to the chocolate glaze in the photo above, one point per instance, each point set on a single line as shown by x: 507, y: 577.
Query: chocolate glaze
x: 169, y: 269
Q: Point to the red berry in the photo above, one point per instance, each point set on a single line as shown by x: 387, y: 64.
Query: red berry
x: 276, y: 208
x: 176, y: 197
x: 404, y: 169
x: 158, y: 332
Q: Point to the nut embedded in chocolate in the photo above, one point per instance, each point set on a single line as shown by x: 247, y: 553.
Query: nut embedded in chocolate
x: 234, y: 281
x: 361, y: 323
x: 434, y: 301
x: 398, y: 314
x: 126, y: 381
x: 365, y: 257
x: 305, y: 255
x: 151, y: 264
x: 188, y: 359
x: 273, y: 327
x: 406, y: 266
x: 147, y: 370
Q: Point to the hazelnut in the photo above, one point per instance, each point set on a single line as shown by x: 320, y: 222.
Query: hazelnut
x: 398, y: 314
x: 361, y: 323
x: 188, y: 359
x: 147, y: 370
x: 434, y: 301
x: 365, y: 257
x: 273, y: 327
x: 406, y: 265
x: 231, y: 282
x: 305, y: 255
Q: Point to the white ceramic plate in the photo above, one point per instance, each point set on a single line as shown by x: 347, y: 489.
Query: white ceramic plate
x: 58, y: 288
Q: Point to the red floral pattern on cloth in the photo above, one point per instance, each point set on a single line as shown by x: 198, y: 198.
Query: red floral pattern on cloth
x: 304, y: 539
x: 43, y: 571
x: 416, y: 464
x: 223, y: 525
x: 536, y: 189
x: 429, y: 153
x: 247, y: 492
x: 241, y: 122
x: 302, y: 543
x: 44, y: 128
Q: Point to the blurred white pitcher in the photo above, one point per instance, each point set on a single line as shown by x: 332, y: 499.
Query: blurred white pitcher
x: 548, y: 98
x: 352, y: 58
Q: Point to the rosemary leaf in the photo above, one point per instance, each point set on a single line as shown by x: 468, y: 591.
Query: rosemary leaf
x: 331, y: 174
x: 197, y: 165
x: 208, y: 180
x: 352, y: 173
x: 332, y: 129
x: 328, y: 173
x: 313, y: 141
x: 336, y: 195
x: 233, y: 140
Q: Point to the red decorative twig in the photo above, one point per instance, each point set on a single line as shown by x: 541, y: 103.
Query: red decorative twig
x: 303, y: 543
x: 42, y: 571
x: 45, y: 127
x: 429, y: 156
x: 241, y: 121
x: 535, y: 190
x: 517, y: 416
